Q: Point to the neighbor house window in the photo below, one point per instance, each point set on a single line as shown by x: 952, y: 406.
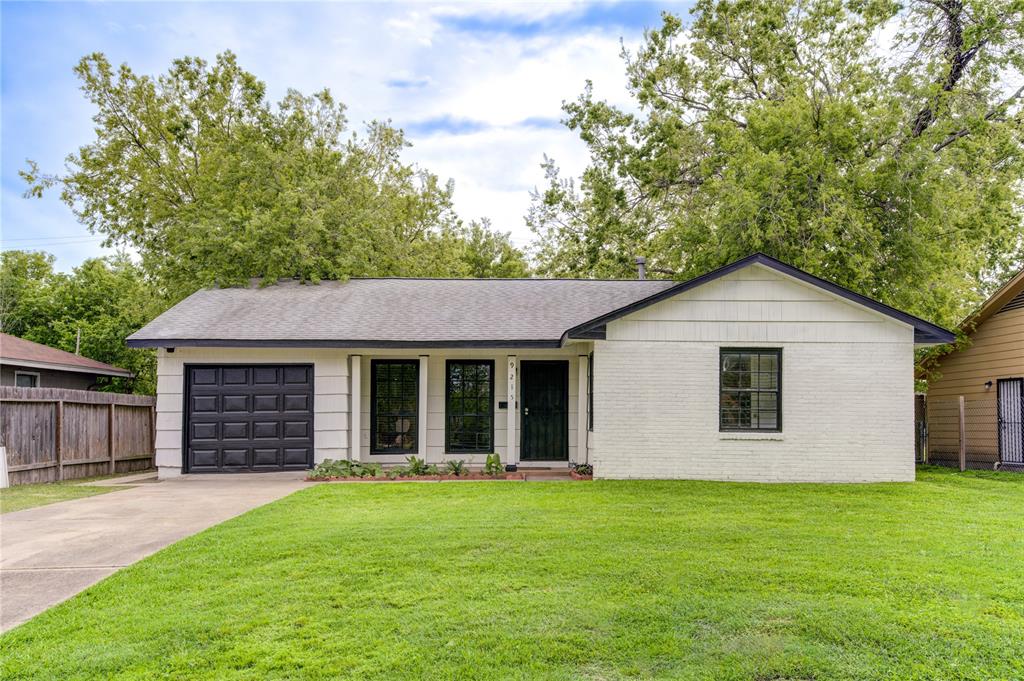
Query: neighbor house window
x: 394, y: 406
x: 469, y: 406
x: 750, y: 383
x: 24, y: 379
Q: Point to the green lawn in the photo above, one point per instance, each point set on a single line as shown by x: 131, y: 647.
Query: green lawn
x: 28, y: 496
x: 601, y: 580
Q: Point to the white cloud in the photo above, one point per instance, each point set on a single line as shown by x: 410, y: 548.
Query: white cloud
x: 405, y: 62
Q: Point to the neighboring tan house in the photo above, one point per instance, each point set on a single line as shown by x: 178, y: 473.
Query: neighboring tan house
x: 989, y: 374
x: 25, y: 364
x: 756, y: 371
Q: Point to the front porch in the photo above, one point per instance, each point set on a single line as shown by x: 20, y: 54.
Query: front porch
x: 441, y: 404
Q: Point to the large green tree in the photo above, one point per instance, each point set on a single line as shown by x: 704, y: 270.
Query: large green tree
x: 871, y: 142
x: 212, y: 184
x: 93, y: 308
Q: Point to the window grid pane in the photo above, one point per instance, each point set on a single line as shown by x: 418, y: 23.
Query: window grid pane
x: 749, y: 390
x: 395, y: 403
x: 469, y: 410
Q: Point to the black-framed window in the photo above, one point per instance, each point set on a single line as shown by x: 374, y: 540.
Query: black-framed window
x: 394, y: 405
x: 750, y: 389
x: 469, y: 406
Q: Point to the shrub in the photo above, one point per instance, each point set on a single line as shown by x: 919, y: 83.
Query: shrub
x: 329, y: 468
x: 583, y: 469
x: 492, y: 465
x: 457, y: 467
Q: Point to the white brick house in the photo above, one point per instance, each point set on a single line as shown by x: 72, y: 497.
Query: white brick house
x: 757, y: 371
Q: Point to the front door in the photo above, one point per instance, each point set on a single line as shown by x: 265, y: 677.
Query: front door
x: 544, y: 410
x: 1011, y: 420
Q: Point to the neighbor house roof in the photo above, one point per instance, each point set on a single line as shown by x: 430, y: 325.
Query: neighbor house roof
x: 25, y: 353
x: 1009, y: 295
x: 440, y: 312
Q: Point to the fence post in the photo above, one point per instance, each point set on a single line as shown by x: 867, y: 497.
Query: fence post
x: 58, y: 438
x: 110, y: 438
x: 963, y: 437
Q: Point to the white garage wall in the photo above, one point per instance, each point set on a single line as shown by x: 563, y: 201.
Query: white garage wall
x: 847, y: 386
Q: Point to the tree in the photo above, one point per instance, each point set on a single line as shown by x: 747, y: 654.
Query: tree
x: 101, y: 302
x: 212, y: 185
x: 780, y: 126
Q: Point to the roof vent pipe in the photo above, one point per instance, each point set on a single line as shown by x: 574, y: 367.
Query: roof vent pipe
x: 641, y: 267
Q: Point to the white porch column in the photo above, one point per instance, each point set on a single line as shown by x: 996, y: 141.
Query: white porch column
x: 421, y: 433
x: 355, y: 372
x: 582, y: 412
x: 511, y: 455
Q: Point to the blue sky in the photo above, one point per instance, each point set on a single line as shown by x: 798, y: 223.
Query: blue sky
x: 477, y: 86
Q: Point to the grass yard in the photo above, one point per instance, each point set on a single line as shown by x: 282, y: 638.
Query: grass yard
x: 21, y: 497
x: 604, y: 580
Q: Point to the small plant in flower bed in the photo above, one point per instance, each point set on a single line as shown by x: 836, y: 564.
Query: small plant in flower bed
x: 414, y: 467
x: 492, y: 465
x: 583, y: 469
x: 456, y: 467
x: 329, y: 469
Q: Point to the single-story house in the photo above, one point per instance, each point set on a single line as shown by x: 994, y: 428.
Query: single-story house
x: 756, y: 371
x: 988, y: 372
x: 25, y: 364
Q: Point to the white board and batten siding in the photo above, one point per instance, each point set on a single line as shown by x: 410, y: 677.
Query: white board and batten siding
x: 331, y: 401
x: 330, y: 396
x: 847, y: 386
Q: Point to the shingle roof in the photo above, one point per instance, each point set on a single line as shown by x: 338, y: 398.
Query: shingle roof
x: 21, y: 352
x: 393, y: 312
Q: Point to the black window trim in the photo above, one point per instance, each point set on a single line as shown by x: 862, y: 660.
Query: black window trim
x: 778, y: 400
x: 447, y: 396
x: 374, y: 363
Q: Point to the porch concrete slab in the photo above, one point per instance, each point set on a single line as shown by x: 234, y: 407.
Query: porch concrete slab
x: 50, y: 553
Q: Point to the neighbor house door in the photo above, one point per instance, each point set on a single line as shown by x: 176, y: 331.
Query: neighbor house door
x: 1011, y: 420
x: 544, y: 409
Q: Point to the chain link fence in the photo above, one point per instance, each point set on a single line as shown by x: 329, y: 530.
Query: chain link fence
x: 960, y: 432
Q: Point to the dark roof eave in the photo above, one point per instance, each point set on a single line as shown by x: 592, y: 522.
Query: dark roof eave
x: 925, y: 333
x: 334, y: 343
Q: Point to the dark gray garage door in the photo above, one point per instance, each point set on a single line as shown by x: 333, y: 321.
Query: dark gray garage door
x: 248, y: 418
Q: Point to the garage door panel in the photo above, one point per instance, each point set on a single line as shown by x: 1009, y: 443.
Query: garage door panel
x: 297, y: 402
x: 236, y: 376
x: 204, y: 404
x: 205, y: 458
x: 204, y: 377
x: 266, y: 430
x: 235, y: 430
x: 297, y: 375
x: 238, y: 404
x: 266, y: 375
x: 235, y: 458
x: 263, y: 456
x: 251, y: 417
x: 204, y: 431
x: 294, y: 456
x: 266, y: 403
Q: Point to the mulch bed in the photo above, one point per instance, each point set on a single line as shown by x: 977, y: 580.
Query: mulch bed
x: 423, y: 478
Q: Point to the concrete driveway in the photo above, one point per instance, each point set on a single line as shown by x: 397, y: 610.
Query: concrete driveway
x: 50, y: 553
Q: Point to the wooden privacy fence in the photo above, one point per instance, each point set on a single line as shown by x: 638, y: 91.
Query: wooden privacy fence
x: 53, y: 434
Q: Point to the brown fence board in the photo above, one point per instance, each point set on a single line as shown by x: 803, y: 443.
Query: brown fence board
x: 55, y: 433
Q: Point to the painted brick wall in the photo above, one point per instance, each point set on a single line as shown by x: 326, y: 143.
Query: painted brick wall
x: 847, y: 412
x: 847, y: 387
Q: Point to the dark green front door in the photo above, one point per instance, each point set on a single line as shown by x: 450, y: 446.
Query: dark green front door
x: 544, y: 409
